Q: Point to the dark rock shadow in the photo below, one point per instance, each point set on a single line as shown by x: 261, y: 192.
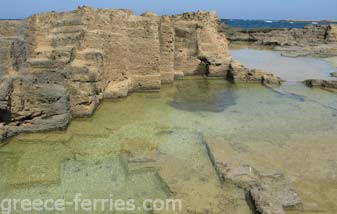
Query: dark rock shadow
x: 5, y: 116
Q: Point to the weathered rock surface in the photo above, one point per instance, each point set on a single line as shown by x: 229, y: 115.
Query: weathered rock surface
x: 324, y: 84
x: 57, y: 65
x: 238, y: 73
x: 312, y: 40
x: 273, y: 198
x: 270, y: 192
x: 313, y: 50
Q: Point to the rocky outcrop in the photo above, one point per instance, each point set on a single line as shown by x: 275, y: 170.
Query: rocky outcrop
x: 238, y: 73
x: 283, y: 36
x: 313, y: 40
x: 312, y: 50
x: 331, y: 33
x: 55, y: 66
x: 324, y: 84
x: 334, y: 74
x: 269, y: 191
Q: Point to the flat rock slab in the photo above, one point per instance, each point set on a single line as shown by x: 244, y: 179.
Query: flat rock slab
x: 270, y: 192
x: 329, y: 85
x: 271, y: 199
x: 38, y: 163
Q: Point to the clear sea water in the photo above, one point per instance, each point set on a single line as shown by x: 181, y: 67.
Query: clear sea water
x: 150, y: 145
x: 250, y: 24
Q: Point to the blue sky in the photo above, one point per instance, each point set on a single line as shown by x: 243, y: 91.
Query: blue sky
x: 245, y: 9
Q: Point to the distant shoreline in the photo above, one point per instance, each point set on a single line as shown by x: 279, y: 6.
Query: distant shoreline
x: 273, y: 24
x: 324, y: 21
x: 226, y: 19
x: 284, y: 20
x: 11, y: 19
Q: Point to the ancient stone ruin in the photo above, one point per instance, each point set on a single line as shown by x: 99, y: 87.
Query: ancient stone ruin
x: 55, y: 66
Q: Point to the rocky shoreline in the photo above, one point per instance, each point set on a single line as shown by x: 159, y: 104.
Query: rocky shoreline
x: 312, y: 40
x: 55, y: 66
x: 330, y: 85
x: 59, y: 66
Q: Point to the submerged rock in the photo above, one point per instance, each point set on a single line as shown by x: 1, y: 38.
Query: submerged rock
x: 272, y: 199
x: 270, y: 192
x: 203, y: 95
x: 274, y: 194
x: 324, y: 84
x: 334, y: 74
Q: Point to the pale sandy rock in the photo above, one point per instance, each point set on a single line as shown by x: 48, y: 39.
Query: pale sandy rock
x: 5, y: 92
x: 88, y: 54
x: 167, y: 49
x: 178, y: 74
x: 332, y: 33
x: 316, y: 34
x: 149, y: 14
x: 117, y: 90
x: 9, y: 28
x: 2, y: 132
x: 239, y: 73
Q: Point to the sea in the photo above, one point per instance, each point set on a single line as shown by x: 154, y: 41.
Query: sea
x: 250, y: 24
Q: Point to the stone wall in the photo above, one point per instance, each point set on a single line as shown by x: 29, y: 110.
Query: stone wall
x: 55, y: 66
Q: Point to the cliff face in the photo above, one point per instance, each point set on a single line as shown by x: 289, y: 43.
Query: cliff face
x: 57, y: 65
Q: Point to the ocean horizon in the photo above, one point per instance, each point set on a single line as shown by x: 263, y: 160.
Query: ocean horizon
x: 268, y: 23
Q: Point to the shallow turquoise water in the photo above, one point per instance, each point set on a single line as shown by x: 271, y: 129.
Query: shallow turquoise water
x: 150, y: 145
x: 290, y: 69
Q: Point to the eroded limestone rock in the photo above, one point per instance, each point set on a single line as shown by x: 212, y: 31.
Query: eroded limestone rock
x: 239, y: 73
x: 331, y: 35
x: 63, y: 64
